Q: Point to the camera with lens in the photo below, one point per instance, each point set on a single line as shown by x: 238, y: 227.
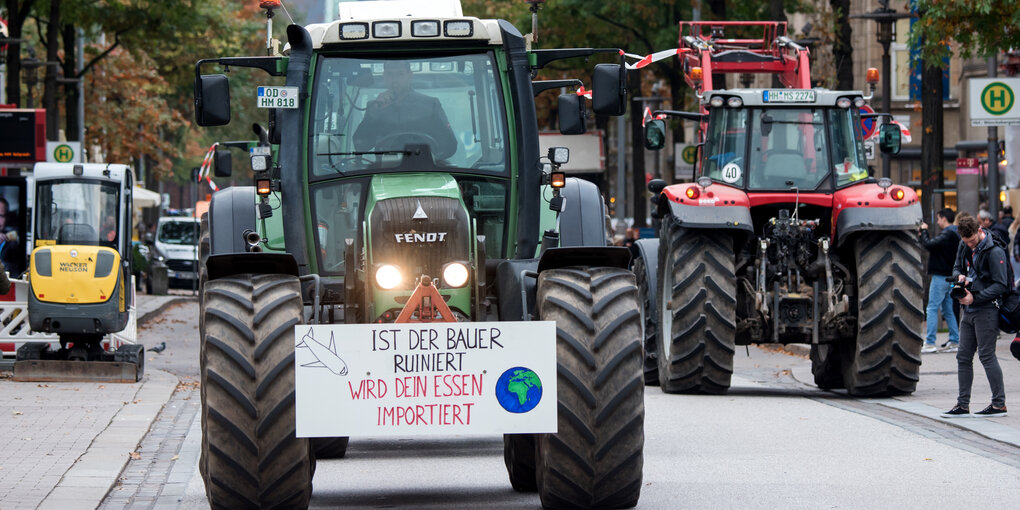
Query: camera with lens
x: 957, y: 289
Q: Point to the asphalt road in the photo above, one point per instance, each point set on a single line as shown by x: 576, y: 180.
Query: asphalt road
x: 771, y: 442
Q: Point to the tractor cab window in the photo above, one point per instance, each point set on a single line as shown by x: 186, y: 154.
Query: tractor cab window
x: 724, y: 146
x: 77, y: 212
x: 848, y: 159
x: 788, y: 149
x: 381, y: 113
x: 337, y: 208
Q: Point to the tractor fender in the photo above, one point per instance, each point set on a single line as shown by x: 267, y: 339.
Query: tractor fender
x: 716, y: 207
x: 230, y: 264
x: 231, y: 212
x: 592, y: 256
x: 862, y: 219
x: 868, y: 207
x: 583, y: 219
x: 648, y: 250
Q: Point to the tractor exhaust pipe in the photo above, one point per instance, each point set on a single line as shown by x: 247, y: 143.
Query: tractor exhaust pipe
x: 253, y: 239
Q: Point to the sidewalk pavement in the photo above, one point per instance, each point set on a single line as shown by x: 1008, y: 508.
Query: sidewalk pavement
x: 937, y: 390
x: 66, y: 443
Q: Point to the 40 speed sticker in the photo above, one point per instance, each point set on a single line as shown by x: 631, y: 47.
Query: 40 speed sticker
x: 277, y: 97
x: 731, y: 173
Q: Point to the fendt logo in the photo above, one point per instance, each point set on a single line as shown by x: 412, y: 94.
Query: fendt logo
x: 997, y: 98
x: 421, y: 237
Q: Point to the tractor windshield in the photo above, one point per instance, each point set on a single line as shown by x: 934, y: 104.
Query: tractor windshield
x: 376, y: 114
x: 787, y: 147
x: 77, y: 212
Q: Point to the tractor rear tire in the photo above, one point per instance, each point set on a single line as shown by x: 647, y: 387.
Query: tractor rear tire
x: 886, y: 358
x: 826, y: 366
x: 204, y: 248
x: 697, y: 310
x: 646, y: 299
x: 519, y: 457
x: 251, y: 456
x: 595, y: 459
x: 330, y: 447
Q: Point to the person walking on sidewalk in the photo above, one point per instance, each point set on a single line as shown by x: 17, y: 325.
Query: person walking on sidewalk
x: 982, y: 262
x: 941, y: 256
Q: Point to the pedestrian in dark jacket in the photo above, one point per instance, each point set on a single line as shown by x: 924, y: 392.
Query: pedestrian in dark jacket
x: 941, y: 257
x: 982, y: 262
x: 1006, y: 216
x: 995, y: 227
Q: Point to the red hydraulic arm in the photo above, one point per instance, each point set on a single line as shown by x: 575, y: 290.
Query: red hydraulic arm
x: 704, y: 45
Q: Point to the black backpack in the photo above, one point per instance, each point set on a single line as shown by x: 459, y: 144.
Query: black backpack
x: 1009, y: 303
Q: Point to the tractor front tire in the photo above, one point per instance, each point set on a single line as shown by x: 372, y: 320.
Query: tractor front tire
x: 595, y: 459
x: 697, y: 310
x: 646, y: 299
x: 251, y: 456
x: 826, y: 366
x: 519, y: 457
x: 886, y: 358
x: 330, y: 447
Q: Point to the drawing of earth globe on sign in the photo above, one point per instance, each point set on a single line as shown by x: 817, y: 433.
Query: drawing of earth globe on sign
x: 519, y: 390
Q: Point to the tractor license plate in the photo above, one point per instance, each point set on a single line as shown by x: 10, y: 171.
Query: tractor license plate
x: 788, y: 96
x: 277, y: 97
x: 425, y: 379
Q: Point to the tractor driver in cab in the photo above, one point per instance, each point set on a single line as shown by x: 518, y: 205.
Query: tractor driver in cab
x: 400, y: 115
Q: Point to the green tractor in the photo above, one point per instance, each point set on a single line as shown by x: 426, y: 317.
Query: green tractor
x: 400, y: 181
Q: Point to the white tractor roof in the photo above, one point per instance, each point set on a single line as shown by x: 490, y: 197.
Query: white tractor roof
x: 379, y: 9
x: 331, y: 33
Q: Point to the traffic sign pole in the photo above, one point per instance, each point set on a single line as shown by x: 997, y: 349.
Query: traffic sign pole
x: 993, y: 156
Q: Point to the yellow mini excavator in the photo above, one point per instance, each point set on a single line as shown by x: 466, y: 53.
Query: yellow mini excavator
x: 80, y: 275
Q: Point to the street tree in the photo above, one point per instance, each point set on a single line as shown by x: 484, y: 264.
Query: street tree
x: 966, y: 28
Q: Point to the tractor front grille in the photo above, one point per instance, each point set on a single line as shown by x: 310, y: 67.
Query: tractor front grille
x: 180, y: 265
x: 419, y: 245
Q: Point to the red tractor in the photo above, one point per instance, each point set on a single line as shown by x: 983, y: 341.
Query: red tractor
x: 784, y: 237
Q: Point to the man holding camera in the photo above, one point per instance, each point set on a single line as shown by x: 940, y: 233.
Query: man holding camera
x: 981, y: 270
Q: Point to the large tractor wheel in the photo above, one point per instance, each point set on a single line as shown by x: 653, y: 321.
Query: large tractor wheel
x: 204, y: 244
x: 697, y: 310
x: 886, y: 358
x: 519, y: 457
x: 595, y: 459
x: 330, y: 447
x: 646, y: 299
x: 251, y: 456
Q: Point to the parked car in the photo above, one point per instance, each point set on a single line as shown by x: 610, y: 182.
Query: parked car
x: 176, y: 246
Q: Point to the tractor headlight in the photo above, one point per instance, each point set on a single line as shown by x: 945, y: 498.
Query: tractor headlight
x: 388, y: 277
x: 455, y: 274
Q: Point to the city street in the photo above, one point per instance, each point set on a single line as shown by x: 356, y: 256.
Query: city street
x: 771, y: 441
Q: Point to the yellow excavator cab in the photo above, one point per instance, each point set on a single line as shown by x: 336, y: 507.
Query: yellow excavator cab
x: 80, y: 271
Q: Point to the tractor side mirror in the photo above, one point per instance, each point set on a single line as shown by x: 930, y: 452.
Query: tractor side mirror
x: 889, y: 139
x: 608, y: 94
x: 571, y: 114
x: 656, y: 186
x: 222, y: 163
x: 655, y: 134
x: 212, y: 100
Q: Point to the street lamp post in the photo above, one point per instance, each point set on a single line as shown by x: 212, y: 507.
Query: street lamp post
x: 31, y: 78
x: 886, y: 19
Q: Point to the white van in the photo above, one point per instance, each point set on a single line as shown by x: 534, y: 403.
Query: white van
x: 176, y: 246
